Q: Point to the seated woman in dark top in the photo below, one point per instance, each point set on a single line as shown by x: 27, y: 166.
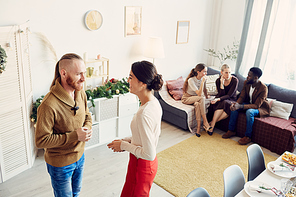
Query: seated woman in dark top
x: 226, y: 86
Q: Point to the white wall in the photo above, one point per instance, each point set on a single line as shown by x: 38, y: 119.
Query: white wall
x: 61, y: 22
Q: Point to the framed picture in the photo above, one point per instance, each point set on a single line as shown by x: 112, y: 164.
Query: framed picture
x: 182, y: 32
x: 133, y: 20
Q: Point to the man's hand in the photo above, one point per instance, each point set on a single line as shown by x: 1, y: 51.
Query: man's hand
x: 115, y: 145
x: 84, y: 134
x: 236, y: 106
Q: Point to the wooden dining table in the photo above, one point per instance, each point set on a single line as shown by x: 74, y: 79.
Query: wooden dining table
x: 266, y: 177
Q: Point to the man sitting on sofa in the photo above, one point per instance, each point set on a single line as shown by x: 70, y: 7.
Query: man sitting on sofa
x: 252, y: 101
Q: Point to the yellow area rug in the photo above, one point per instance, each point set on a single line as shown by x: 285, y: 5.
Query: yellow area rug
x: 200, y: 162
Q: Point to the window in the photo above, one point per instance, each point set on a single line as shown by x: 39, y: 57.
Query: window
x: 271, y: 42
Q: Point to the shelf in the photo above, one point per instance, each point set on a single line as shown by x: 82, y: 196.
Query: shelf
x: 112, y: 118
x: 103, y: 59
x: 96, y: 76
x: 100, y: 71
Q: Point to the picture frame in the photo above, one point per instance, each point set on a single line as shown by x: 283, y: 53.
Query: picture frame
x: 133, y: 20
x: 182, y: 32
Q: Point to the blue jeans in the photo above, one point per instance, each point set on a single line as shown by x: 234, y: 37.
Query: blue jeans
x: 250, y: 114
x: 67, y: 181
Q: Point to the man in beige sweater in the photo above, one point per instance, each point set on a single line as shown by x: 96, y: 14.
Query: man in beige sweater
x: 64, y: 125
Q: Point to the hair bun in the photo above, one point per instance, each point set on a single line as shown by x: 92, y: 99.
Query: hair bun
x: 157, y: 82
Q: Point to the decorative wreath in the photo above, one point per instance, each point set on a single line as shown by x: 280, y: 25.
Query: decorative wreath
x: 3, y: 61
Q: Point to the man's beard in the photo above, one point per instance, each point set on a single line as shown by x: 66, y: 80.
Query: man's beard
x: 74, y: 84
x: 250, y: 82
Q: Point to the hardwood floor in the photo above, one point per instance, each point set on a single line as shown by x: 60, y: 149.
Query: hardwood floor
x: 104, y: 173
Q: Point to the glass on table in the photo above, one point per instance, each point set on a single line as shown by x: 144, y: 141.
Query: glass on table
x: 286, y: 185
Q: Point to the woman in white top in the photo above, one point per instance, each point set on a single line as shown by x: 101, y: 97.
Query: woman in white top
x: 195, y: 93
x: 145, y: 128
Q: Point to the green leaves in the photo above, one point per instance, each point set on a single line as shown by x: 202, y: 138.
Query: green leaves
x: 3, y: 60
x: 108, y: 90
x: 228, y: 52
x: 34, y: 109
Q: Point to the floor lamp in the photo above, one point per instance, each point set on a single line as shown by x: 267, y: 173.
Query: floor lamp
x: 154, y: 48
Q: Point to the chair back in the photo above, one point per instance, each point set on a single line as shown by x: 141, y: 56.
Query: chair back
x: 234, y: 180
x: 199, y: 192
x: 256, y: 161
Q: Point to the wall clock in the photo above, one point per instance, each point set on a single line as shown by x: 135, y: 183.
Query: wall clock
x: 93, y: 20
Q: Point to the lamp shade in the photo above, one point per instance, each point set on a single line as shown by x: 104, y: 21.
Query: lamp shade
x: 154, y: 48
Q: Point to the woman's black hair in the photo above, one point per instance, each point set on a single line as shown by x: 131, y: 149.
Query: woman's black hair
x: 146, y: 72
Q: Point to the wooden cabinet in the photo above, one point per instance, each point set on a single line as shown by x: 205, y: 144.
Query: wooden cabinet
x: 17, y: 147
x: 112, y: 118
x: 97, y: 72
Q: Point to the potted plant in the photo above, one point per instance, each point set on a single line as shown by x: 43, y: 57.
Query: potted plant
x: 229, y: 52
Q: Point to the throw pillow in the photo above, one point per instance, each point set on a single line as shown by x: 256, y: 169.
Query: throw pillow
x: 280, y: 109
x: 211, y: 84
x: 175, y: 88
x: 175, y: 84
x: 176, y: 94
x: 270, y: 101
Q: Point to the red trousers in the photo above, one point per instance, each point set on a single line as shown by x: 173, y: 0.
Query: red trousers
x: 139, y: 178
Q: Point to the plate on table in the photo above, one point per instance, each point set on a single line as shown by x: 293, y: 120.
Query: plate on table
x: 282, y: 169
x: 252, y: 186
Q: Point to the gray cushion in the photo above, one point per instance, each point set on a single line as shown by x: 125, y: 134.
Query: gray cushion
x: 212, y: 71
x: 284, y: 95
x: 241, y: 80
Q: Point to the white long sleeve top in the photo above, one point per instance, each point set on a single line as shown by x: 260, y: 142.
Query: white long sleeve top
x: 145, y: 128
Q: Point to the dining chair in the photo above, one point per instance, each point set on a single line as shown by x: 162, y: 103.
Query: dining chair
x: 234, y: 180
x: 256, y: 161
x: 199, y: 192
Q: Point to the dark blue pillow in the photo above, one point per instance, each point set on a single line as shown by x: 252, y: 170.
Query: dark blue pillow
x: 284, y: 95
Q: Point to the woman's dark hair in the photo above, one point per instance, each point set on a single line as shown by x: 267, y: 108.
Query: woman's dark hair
x: 146, y: 72
x: 67, y: 56
x: 256, y: 71
x: 199, y: 67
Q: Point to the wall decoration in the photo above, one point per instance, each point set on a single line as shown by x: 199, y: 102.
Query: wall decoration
x: 182, y: 32
x: 133, y: 20
x: 3, y: 60
x: 93, y: 20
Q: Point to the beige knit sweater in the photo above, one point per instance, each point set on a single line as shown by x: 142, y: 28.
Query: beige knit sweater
x: 56, y: 125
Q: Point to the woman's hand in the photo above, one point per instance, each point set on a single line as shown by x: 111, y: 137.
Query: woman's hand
x: 215, y: 101
x: 115, y: 145
x: 204, y: 78
x: 222, y: 81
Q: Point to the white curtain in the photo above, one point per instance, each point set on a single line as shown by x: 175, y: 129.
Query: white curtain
x: 271, y: 42
x: 253, y: 36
